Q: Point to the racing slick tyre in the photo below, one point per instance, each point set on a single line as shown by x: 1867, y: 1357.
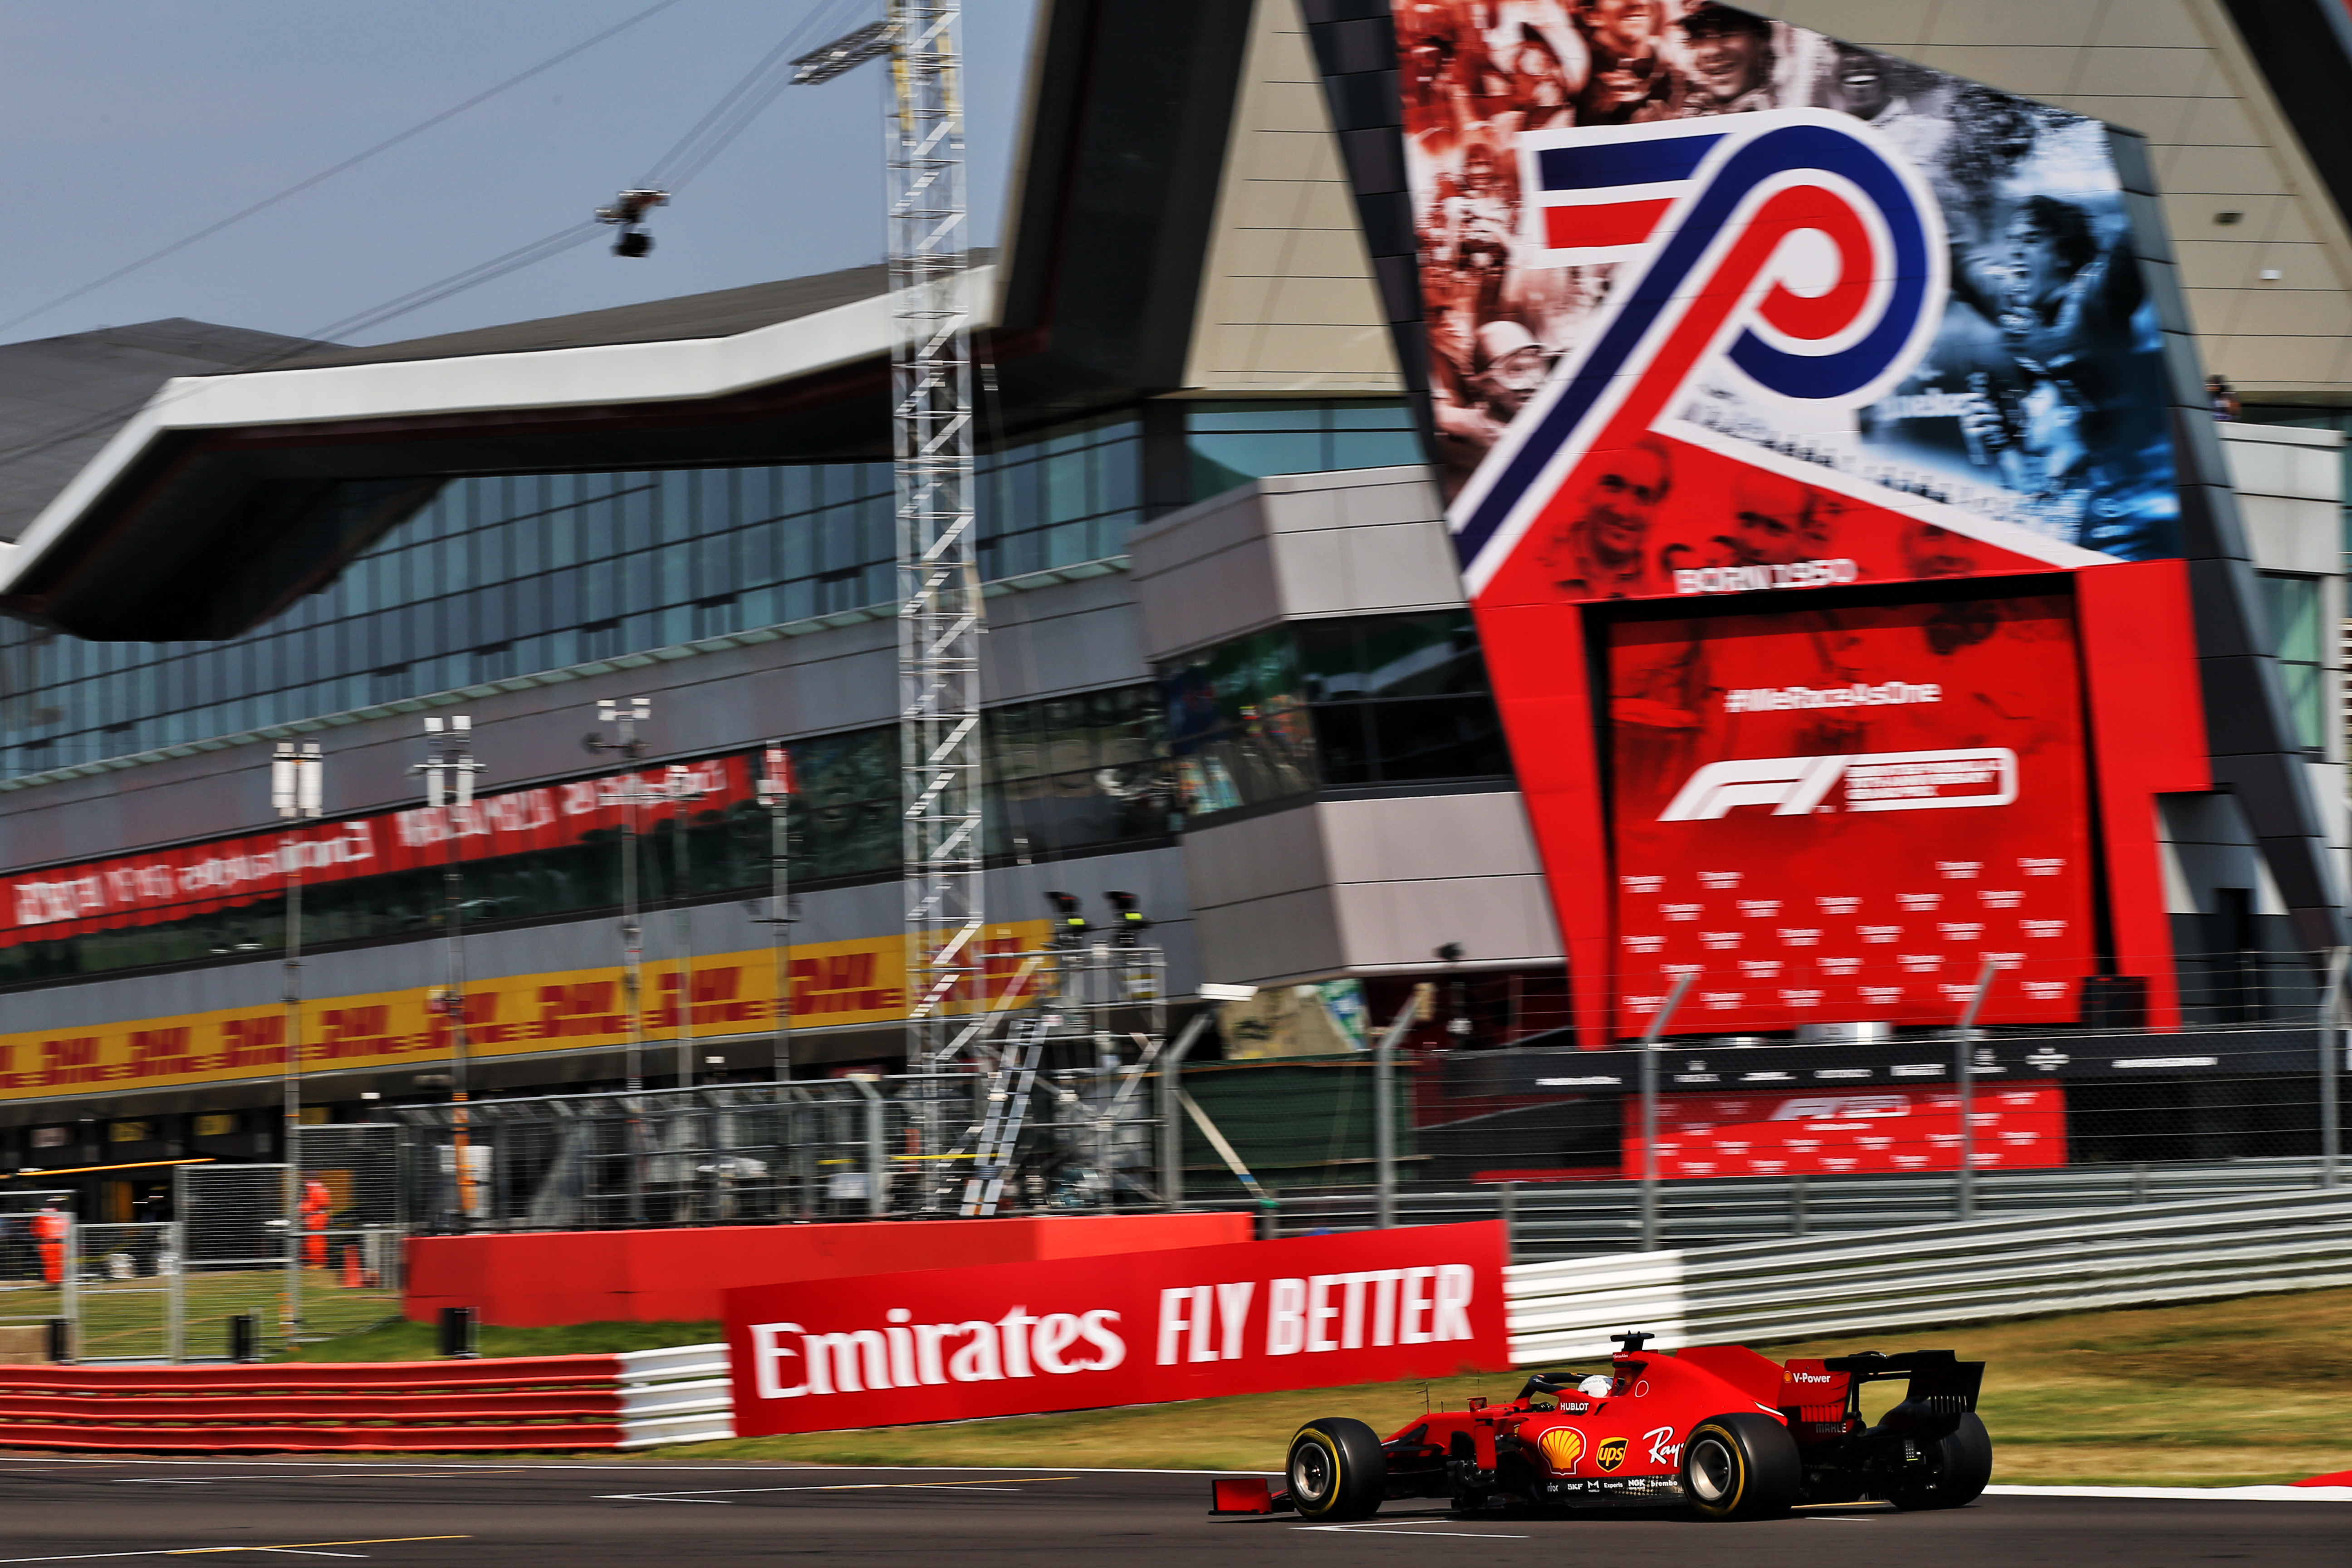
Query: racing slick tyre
x: 1742, y: 1466
x: 1955, y: 1471
x: 1337, y: 1470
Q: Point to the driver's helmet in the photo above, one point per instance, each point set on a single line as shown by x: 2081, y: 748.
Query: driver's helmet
x: 1595, y: 1387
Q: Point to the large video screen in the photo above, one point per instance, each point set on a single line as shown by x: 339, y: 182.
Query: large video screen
x: 1717, y: 304
x: 1842, y: 815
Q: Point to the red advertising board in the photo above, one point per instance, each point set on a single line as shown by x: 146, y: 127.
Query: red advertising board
x: 1012, y: 1339
x: 160, y: 884
x: 1843, y: 814
x: 1818, y: 1133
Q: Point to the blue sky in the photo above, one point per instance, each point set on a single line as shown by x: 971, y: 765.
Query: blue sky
x: 133, y: 123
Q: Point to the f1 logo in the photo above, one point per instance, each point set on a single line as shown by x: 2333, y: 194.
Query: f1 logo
x: 1791, y: 786
x: 1876, y: 781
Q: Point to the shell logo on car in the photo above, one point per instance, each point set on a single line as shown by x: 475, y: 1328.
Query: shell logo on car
x: 1562, y: 1447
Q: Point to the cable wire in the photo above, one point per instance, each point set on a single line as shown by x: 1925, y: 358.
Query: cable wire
x: 351, y: 163
x: 717, y: 129
x: 744, y: 102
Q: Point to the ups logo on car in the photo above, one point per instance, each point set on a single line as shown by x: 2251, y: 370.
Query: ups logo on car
x: 1610, y: 1454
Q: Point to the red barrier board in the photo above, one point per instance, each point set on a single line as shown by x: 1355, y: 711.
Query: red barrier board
x: 160, y: 884
x: 534, y: 1278
x: 1838, y: 1133
x: 1015, y: 1339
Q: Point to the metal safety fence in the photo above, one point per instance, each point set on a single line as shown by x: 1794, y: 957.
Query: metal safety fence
x: 2203, y: 1248
x: 232, y: 1258
x: 36, y: 1288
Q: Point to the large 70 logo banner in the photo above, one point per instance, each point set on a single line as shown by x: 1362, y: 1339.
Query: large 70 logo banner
x: 1725, y: 312
x: 1015, y: 1339
x: 1716, y: 304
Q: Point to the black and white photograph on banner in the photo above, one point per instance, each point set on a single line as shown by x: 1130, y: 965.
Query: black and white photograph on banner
x: 2039, y: 402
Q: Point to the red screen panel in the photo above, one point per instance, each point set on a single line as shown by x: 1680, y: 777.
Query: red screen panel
x: 1838, y: 815
x: 1836, y: 1133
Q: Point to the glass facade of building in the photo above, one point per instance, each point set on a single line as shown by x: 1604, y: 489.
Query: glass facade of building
x: 1370, y: 702
x: 500, y: 576
x: 1065, y: 775
x: 1231, y: 443
x: 504, y: 576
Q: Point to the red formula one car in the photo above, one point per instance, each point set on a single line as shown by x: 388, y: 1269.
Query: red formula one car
x: 1716, y: 1429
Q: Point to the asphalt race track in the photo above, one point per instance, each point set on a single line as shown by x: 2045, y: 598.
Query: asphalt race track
x: 647, y: 1515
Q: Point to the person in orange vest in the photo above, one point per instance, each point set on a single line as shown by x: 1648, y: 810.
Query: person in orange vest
x: 49, y: 1235
x: 316, y: 1202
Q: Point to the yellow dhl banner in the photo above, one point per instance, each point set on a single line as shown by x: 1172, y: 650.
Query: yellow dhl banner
x: 861, y: 981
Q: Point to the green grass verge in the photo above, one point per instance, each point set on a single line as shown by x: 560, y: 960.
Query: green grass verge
x: 2211, y: 1394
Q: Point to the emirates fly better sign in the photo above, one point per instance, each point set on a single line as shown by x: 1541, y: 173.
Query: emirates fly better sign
x: 1013, y: 1338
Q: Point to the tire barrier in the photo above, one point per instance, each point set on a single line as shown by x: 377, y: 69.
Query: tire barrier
x: 637, y: 1399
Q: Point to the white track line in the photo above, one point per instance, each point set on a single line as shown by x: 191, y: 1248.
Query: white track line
x: 2202, y: 1494
x: 710, y: 1494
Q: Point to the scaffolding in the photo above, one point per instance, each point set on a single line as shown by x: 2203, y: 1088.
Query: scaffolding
x: 939, y: 577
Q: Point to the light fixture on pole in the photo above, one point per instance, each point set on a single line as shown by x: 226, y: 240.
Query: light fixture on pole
x: 297, y: 789
x: 450, y: 767
x: 625, y: 715
x: 775, y: 788
x: 678, y: 786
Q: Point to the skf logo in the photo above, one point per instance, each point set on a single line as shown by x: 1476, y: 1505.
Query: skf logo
x: 1611, y: 1453
x: 1876, y: 781
x: 1562, y: 1447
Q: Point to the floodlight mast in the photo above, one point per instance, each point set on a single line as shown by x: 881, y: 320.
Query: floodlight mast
x: 298, y: 790
x: 938, y: 576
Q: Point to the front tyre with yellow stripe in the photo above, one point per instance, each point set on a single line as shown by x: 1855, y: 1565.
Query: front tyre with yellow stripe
x: 1337, y: 1470
x: 1742, y: 1466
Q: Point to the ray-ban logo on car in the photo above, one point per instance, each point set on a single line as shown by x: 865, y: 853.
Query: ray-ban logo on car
x: 1873, y: 781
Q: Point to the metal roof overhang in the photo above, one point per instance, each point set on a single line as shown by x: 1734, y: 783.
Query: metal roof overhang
x: 227, y: 497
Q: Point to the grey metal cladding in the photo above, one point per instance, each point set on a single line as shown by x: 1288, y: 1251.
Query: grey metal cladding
x: 1355, y: 50
x: 2248, y: 735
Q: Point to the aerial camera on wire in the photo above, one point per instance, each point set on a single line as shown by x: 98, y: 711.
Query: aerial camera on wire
x: 628, y: 211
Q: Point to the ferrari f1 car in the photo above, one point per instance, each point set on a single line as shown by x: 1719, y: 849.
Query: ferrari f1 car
x: 1718, y: 1429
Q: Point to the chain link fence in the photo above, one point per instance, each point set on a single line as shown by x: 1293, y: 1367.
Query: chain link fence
x: 36, y: 1288
x: 129, y: 1298
x: 1069, y: 1096
x: 233, y: 1256
x: 350, y: 1217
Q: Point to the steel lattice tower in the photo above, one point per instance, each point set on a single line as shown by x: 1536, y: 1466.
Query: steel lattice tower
x: 938, y: 576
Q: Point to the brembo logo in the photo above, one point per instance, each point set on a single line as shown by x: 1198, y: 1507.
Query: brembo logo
x: 1875, y: 780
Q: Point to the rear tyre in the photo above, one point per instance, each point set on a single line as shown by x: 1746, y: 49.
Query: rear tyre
x: 1742, y: 1466
x: 1956, y: 1469
x: 1337, y: 1470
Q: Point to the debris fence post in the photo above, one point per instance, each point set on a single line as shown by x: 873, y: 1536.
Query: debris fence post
x: 1650, y: 1037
